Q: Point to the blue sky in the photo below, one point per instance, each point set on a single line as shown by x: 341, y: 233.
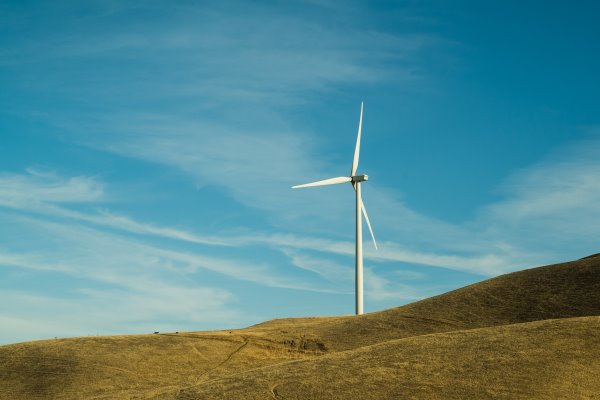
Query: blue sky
x: 148, y: 149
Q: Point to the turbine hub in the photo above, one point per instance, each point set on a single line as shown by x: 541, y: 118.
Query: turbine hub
x: 360, y: 178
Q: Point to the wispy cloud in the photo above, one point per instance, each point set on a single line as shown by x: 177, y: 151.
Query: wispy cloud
x: 377, y: 287
x: 256, y: 166
x: 37, y: 187
x: 275, y: 55
x: 380, y: 288
x: 105, y: 282
x: 555, y: 196
x: 564, y: 182
x: 50, y: 194
x: 483, y: 260
x: 109, y: 311
x: 129, y: 257
x: 222, y: 114
x: 551, y: 204
x: 327, y: 269
x: 117, y: 280
x: 490, y: 264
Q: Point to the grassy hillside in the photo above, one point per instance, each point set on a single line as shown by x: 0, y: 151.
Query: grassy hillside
x: 564, y: 290
x: 552, y: 359
x: 130, y: 366
x: 403, y: 351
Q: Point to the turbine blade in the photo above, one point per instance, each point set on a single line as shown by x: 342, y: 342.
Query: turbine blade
x: 357, y: 148
x: 364, y: 211
x: 331, y: 181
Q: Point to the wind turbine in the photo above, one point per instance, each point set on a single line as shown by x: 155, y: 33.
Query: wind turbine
x: 356, y: 181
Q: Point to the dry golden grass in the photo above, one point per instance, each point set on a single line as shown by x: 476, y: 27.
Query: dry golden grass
x: 481, y: 341
x: 140, y: 366
x: 551, y: 359
x: 558, y: 291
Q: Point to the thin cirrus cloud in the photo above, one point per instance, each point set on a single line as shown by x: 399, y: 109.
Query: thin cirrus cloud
x: 494, y: 252
x: 377, y: 287
x: 485, y: 261
x: 89, y: 274
x: 35, y: 185
x: 218, y: 115
x: 49, y: 194
x: 68, y: 247
x: 567, y: 181
x: 81, y: 251
x: 94, y: 311
x: 543, y: 207
x: 261, y: 54
x: 551, y: 208
x: 39, y: 186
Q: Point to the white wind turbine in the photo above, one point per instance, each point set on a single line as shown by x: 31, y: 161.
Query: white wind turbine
x: 360, y: 207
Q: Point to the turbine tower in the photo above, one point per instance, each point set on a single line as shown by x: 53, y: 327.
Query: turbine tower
x: 356, y: 181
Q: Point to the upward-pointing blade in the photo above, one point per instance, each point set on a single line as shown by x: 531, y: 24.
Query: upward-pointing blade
x: 357, y: 148
x: 364, y: 211
x: 331, y: 181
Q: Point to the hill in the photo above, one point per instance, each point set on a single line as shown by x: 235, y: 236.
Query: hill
x: 563, y: 290
x: 551, y: 359
x: 523, y: 327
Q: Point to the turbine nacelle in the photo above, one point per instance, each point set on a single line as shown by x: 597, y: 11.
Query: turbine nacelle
x: 359, y: 178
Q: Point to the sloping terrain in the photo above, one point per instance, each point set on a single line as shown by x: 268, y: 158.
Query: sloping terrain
x: 564, y: 290
x: 139, y: 366
x: 480, y: 341
x: 551, y: 359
